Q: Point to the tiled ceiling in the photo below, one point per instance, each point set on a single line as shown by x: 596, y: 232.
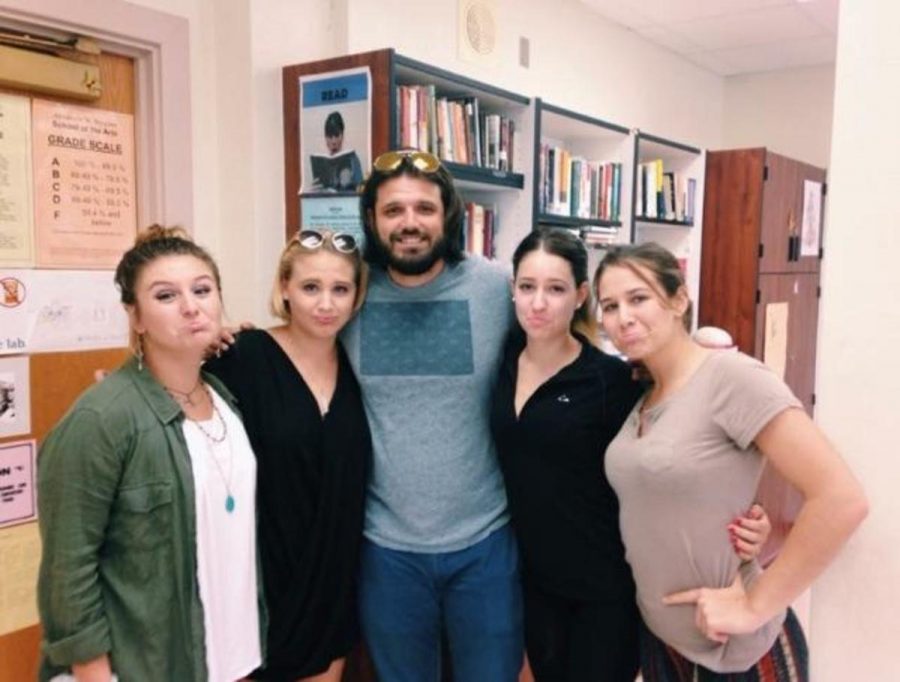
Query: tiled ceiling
x: 730, y: 37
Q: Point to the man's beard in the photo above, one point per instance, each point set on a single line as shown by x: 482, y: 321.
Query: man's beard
x: 414, y: 265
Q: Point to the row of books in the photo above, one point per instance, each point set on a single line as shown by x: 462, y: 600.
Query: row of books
x: 576, y: 187
x: 454, y: 129
x: 664, y: 195
x: 479, y: 228
x: 598, y: 237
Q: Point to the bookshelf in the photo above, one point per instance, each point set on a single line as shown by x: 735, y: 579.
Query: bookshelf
x: 675, y: 219
x: 498, y: 186
x: 597, y: 157
x: 513, y: 192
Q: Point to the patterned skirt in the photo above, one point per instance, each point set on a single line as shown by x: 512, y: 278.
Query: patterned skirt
x: 786, y: 661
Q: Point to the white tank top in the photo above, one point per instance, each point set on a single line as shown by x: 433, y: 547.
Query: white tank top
x: 225, y: 506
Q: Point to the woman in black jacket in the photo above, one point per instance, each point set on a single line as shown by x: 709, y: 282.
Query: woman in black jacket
x: 558, y: 403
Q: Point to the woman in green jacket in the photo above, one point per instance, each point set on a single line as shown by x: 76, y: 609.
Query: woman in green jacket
x: 147, y: 497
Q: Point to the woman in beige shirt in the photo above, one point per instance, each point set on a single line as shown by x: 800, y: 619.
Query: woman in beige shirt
x: 688, y: 458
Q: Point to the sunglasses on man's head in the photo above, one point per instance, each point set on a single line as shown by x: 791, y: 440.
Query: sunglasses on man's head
x: 421, y: 161
x: 313, y: 239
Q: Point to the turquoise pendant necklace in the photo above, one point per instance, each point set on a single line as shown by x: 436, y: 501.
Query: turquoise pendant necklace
x: 212, y: 440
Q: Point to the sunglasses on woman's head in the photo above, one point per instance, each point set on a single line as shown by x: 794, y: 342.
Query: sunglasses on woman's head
x: 421, y: 161
x: 313, y: 239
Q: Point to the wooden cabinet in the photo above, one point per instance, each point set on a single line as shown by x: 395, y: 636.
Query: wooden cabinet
x: 756, y: 253
x: 800, y: 291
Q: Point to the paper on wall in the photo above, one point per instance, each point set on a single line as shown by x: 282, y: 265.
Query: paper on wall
x: 16, y: 225
x: 85, y: 212
x: 812, y: 218
x: 775, y: 341
x: 60, y: 310
x: 20, y: 556
x: 18, y: 476
x: 15, y: 397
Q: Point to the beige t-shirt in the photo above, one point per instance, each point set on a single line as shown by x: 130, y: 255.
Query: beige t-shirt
x: 680, y: 484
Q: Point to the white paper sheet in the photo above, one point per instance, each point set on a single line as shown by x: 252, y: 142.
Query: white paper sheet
x: 16, y: 223
x: 812, y: 218
x: 15, y: 396
x: 60, y: 310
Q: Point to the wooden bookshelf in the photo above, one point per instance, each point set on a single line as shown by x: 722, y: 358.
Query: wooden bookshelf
x: 513, y: 192
x: 586, y: 142
x: 500, y: 188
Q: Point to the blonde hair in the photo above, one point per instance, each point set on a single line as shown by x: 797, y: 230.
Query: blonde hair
x: 279, y: 307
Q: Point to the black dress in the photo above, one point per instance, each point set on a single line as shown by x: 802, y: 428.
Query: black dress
x: 311, y: 491
x: 581, y: 619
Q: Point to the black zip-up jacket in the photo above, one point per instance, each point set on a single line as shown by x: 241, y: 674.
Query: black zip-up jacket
x: 565, y: 514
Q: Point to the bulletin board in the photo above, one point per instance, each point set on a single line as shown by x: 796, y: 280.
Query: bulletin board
x: 55, y: 379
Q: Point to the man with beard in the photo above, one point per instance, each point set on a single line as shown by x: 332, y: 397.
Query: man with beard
x: 438, y: 553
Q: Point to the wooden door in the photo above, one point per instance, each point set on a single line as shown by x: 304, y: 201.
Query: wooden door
x: 731, y: 218
x: 56, y: 380
x: 800, y: 292
x: 782, y: 215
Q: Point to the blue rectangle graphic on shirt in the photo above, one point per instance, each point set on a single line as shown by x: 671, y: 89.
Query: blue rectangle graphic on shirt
x: 429, y: 338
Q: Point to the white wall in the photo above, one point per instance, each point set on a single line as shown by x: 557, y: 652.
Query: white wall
x: 856, y: 605
x: 200, y: 16
x: 219, y: 103
x: 282, y: 32
x: 787, y: 111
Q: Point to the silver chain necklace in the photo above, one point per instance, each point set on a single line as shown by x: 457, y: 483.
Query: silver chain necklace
x: 211, y: 441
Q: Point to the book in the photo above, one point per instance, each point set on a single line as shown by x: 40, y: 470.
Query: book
x: 413, y: 116
x: 432, y: 121
x: 475, y: 238
x: 340, y: 172
x: 669, y: 195
x: 480, y: 224
x: 689, y: 202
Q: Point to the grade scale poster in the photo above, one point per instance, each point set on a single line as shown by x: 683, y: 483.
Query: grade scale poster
x: 84, y: 180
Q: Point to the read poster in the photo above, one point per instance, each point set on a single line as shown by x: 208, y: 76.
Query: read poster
x: 335, y: 130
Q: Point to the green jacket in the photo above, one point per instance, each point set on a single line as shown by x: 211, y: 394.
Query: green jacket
x: 116, y: 514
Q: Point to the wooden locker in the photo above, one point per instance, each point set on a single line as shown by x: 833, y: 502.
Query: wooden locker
x: 752, y: 218
x: 800, y: 292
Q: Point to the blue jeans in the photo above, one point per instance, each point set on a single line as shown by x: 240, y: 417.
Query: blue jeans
x: 474, y: 594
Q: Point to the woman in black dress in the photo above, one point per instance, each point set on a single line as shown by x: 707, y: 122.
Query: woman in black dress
x: 558, y: 403
x: 304, y: 415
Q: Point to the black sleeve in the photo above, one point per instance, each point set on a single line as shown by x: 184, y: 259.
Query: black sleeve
x: 226, y: 367
x: 622, y: 392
